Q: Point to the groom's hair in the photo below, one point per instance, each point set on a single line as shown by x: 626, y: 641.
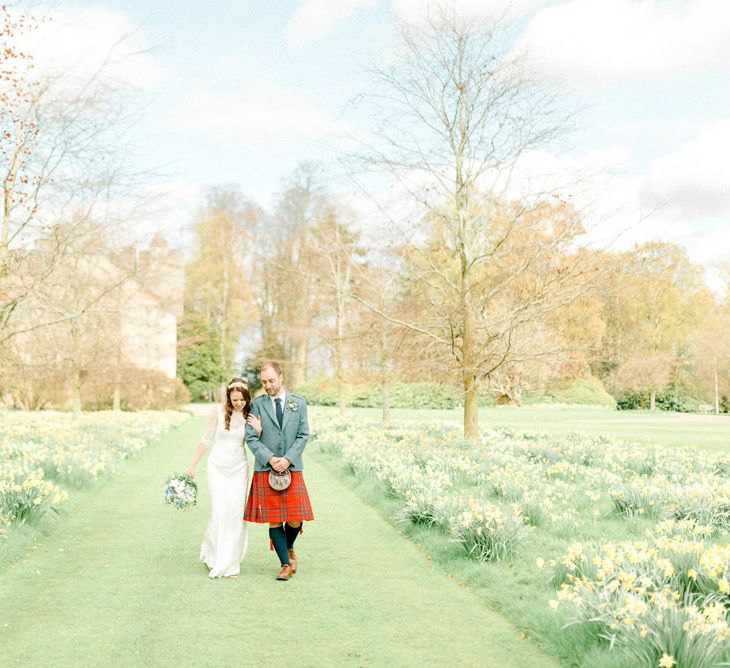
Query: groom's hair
x: 270, y: 364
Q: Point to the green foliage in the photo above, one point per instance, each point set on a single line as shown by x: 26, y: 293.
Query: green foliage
x: 631, y: 401
x: 588, y: 391
x: 487, y: 400
x: 198, y: 355
x: 323, y: 392
x: 670, y: 400
x: 665, y: 636
x: 488, y: 533
x: 582, y: 391
x: 409, y: 395
x: 252, y: 374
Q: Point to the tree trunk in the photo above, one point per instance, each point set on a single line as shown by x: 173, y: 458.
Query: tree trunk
x: 341, y: 398
x: 385, y: 370
x: 717, y: 393
x: 468, y: 359
x: 386, y: 400
x: 224, y: 306
x: 340, y: 324
x: 117, y: 397
x: 339, y: 376
x: 471, y: 414
x: 300, y: 362
x: 76, y: 392
x: 652, y: 404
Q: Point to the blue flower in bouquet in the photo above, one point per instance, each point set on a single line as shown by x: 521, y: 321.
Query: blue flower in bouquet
x: 181, y: 491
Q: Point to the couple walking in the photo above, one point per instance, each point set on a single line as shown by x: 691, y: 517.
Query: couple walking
x: 274, y: 426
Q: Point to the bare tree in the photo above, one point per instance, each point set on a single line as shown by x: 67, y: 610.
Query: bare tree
x: 385, y: 347
x: 458, y: 112
x: 298, y: 210
x: 66, y: 167
x: 72, y: 321
x: 335, y: 248
x: 217, y: 288
x: 646, y: 371
x: 711, y: 357
x: 124, y: 334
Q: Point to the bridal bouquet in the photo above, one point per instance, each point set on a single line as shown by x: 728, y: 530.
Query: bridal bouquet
x: 182, y: 491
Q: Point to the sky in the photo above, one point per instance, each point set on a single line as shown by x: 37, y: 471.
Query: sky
x: 240, y: 91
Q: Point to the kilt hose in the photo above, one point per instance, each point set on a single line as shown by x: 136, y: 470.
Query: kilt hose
x: 267, y: 505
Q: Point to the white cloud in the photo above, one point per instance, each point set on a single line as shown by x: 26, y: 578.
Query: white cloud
x: 694, y: 181
x: 540, y: 171
x: 710, y: 248
x: 315, y: 18
x: 172, y: 206
x: 417, y: 11
x: 597, y: 184
x: 168, y: 207
x: 76, y: 44
x: 678, y: 200
x: 607, y: 39
x: 683, y: 198
x: 261, y: 114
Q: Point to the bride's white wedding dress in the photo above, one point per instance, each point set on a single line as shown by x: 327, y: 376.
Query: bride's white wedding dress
x: 225, y: 541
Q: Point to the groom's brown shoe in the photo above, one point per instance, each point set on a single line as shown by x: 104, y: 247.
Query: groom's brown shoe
x: 292, y: 561
x: 284, y: 573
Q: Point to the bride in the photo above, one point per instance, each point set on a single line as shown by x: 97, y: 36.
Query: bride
x: 225, y: 540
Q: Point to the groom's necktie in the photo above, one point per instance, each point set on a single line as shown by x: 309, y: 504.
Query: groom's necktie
x: 279, y: 412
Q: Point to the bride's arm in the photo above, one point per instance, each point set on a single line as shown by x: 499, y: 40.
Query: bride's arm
x: 204, y: 442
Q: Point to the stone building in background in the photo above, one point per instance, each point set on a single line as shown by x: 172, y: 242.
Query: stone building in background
x: 154, y: 304
x: 112, y: 337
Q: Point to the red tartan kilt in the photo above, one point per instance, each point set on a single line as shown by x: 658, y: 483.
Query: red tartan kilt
x: 267, y: 505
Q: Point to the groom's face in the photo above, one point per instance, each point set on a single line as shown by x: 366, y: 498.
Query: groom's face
x: 271, y: 381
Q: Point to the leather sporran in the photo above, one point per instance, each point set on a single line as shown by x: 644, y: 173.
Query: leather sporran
x: 279, y: 481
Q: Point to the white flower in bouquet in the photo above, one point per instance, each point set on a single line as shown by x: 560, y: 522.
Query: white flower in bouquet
x: 181, y: 491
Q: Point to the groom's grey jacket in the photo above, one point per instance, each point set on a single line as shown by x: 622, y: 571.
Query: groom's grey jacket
x: 285, y: 441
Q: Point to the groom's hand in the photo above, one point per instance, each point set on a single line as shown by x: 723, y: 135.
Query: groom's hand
x: 279, y: 464
x: 282, y: 464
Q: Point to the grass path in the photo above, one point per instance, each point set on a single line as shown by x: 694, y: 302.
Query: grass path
x: 118, y: 583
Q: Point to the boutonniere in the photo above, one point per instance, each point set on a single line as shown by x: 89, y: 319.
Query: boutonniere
x: 292, y: 406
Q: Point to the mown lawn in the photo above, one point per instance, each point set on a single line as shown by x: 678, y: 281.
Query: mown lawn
x: 709, y: 432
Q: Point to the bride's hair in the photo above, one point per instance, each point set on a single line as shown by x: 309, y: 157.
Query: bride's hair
x: 236, y: 385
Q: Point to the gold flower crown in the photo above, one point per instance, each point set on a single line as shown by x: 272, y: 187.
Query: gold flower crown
x: 238, y: 383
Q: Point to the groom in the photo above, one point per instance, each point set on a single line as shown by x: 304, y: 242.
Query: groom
x: 284, y: 435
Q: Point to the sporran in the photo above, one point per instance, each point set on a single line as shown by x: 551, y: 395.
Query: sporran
x: 279, y: 481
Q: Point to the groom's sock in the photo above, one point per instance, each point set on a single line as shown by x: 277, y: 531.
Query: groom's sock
x: 291, y: 534
x: 278, y: 538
